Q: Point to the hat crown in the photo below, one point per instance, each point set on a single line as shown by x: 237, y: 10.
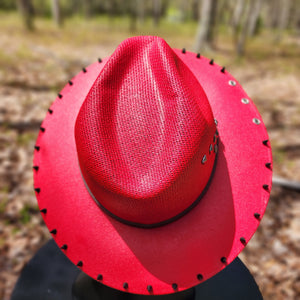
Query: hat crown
x: 142, y: 132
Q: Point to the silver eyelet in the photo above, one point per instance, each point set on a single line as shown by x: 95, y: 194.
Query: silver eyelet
x: 256, y: 121
x: 245, y: 100
x: 210, y: 148
x: 216, y: 121
x: 232, y: 82
x: 204, y: 159
x: 216, y: 148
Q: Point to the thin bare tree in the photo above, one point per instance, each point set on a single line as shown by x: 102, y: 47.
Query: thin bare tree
x: 241, y: 43
x: 195, y: 10
x: 56, y: 12
x: 206, y: 25
x: 26, y: 10
x: 295, y: 15
x: 184, y: 8
x: 87, y: 8
x: 141, y: 11
x: 273, y: 11
x: 156, y: 12
x: 237, y: 17
x: 132, y: 10
x: 285, y: 14
x: 254, y: 17
x: 283, y: 18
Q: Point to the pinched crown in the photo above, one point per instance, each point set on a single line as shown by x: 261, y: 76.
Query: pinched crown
x: 143, y: 134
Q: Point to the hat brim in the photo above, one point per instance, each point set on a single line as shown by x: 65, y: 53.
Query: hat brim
x: 185, y: 252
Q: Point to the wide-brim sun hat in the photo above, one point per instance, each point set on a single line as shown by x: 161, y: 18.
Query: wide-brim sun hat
x: 152, y: 168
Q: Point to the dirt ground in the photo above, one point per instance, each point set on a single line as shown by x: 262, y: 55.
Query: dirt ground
x: 33, y: 69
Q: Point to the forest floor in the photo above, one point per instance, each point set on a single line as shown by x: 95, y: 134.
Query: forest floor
x: 35, y: 66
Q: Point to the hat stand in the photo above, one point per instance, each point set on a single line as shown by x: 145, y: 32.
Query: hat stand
x: 50, y: 275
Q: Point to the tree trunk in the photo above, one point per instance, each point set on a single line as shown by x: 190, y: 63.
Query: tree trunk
x: 295, y: 15
x: 184, y: 8
x: 141, y: 11
x: 195, y: 10
x: 112, y: 8
x: 26, y: 10
x: 156, y: 12
x: 56, y: 13
x: 132, y: 6
x: 237, y: 17
x: 87, y: 8
x: 274, y: 11
x: 241, y: 44
x: 213, y: 23
x: 223, y: 9
x: 284, y: 16
x: 205, y: 31
x: 254, y: 17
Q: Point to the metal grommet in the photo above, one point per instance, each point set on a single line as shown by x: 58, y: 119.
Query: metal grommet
x: 216, y: 148
x: 216, y: 121
x: 232, y: 82
x: 245, y: 100
x: 204, y: 159
x: 256, y: 121
x: 210, y: 148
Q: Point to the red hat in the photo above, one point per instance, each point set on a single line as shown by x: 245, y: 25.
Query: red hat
x: 152, y: 168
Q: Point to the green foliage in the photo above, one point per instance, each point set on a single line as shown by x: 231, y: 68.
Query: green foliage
x: 42, y: 8
x: 259, y: 26
x: 3, y: 203
x: 26, y: 213
x: 15, y: 230
x: 7, y: 5
x: 25, y: 138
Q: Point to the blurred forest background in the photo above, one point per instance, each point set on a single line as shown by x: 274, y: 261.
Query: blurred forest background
x: 44, y: 43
